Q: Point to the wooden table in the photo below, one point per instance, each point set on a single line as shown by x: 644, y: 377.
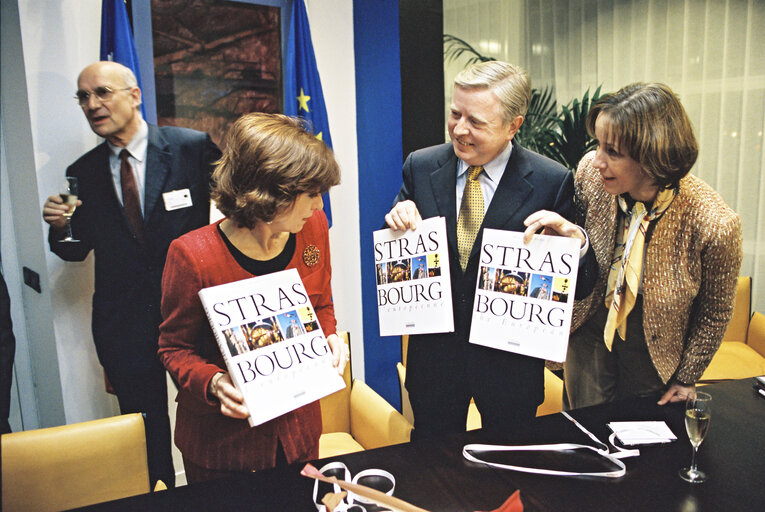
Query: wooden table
x: 435, y: 476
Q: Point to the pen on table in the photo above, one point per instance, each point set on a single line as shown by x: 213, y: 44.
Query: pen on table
x: 761, y: 392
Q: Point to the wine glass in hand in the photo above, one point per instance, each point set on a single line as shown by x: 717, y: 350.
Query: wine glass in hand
x: 698, y: 413
x: 69, y: 197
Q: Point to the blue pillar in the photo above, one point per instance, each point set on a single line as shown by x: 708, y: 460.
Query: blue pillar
x: 378, y: 125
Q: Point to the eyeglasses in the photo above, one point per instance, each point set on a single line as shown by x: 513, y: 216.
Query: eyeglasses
x: 103, y: 94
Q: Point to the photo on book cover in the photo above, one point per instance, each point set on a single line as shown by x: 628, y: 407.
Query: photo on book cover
x: 412, y: 275
x: 273, y: 345
x: 523, y: 301
x: 247, y: 337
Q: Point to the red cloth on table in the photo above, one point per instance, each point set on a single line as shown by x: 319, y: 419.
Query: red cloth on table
x: 513, y: 504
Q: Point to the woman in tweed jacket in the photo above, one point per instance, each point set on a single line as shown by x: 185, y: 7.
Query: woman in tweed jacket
x: 667, y: 280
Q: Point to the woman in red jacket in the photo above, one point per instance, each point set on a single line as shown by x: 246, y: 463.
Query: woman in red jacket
x: 268, y: 184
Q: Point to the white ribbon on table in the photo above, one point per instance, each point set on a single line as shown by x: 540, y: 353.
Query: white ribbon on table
x: 469, y: 450
x: 352, y: 502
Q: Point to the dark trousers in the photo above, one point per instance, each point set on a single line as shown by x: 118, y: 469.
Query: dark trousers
x: 593, y: 375
x: 146, y: 392
x: 196, y: 473
x: 507, y: 388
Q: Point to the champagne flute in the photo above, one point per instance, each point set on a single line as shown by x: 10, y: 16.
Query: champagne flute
x: 698, y: 413
x: 69, y: 196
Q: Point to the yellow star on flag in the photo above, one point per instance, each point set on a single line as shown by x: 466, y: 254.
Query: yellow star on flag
x: 318, y: 136
x: 303, y: 100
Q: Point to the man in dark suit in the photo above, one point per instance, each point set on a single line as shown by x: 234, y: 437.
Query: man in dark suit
x: 138, y: 191
x: 517, y: 190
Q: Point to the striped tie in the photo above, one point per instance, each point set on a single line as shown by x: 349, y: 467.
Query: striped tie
x: 471, y: 215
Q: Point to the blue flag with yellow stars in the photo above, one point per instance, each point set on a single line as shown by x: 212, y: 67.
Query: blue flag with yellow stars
x: 117, y: 38
x: 302, y: 86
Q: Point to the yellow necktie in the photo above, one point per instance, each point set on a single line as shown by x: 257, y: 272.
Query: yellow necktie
x: 471, y: 215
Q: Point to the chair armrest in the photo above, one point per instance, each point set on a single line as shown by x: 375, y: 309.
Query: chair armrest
x: 742, y: 305
x: 733, y: 360
x: 406, y: 405
x: 374, y: 422
x: 755, y: 336
x: 553, y: 402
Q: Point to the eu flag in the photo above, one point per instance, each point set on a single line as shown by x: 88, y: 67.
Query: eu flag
x: 302, y: 86
x: 117, y: 38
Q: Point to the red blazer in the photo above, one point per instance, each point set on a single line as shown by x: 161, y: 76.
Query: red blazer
x: 188, y: 349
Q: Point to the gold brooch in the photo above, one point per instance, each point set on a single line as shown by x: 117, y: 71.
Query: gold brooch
x: 311, y: 255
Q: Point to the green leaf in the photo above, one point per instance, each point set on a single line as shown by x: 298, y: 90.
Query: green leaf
x: 540, y: 117
x: 455, y: 48
x: 568, y: 140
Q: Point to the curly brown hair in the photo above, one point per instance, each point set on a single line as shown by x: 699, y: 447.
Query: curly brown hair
x: 652, y: 127
x: 270, y: 159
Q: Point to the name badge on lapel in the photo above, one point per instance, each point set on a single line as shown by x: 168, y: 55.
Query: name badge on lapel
x: 177, y: 199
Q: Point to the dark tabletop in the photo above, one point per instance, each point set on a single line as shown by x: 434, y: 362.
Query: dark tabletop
x: 434, y: 475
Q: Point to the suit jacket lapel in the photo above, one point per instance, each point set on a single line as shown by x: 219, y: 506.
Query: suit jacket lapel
x: 513, y: 189
x: 105, y: 179
x: 444, y: 183
x: 105, y: 182
x: 158, y: 160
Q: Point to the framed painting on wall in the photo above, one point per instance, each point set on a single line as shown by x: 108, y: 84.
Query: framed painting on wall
x: 214, y: 61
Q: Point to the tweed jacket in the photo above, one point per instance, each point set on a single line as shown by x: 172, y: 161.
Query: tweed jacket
x: 188, y: 349
x: 690, y: 269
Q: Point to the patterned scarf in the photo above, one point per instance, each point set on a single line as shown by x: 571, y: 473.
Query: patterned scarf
x: 627, y: 263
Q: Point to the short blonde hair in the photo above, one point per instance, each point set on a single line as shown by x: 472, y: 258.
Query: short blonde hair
x: 510, y: 83
x: 270, y: 159
x: 652, y: 127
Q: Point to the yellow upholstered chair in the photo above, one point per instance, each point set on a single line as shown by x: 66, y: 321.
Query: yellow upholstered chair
x: 755, y: 333
x: 357, y: 418
x: 742, y: 305
x: 406, y: 405
x: 75, y: 465
x: 553, y: 394
x: 742, y: 352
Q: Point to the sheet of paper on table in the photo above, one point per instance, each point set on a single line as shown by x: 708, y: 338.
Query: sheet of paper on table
x: 642, y: 432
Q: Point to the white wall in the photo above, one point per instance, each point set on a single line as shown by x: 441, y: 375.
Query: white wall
x: 22, y: 390
x: 60, y: 37
x: 332, y: 32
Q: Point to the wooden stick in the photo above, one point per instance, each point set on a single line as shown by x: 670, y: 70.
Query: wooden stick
x: 377, y: 497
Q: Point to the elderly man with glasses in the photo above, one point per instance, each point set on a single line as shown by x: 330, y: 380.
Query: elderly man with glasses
x: 140, y: 189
